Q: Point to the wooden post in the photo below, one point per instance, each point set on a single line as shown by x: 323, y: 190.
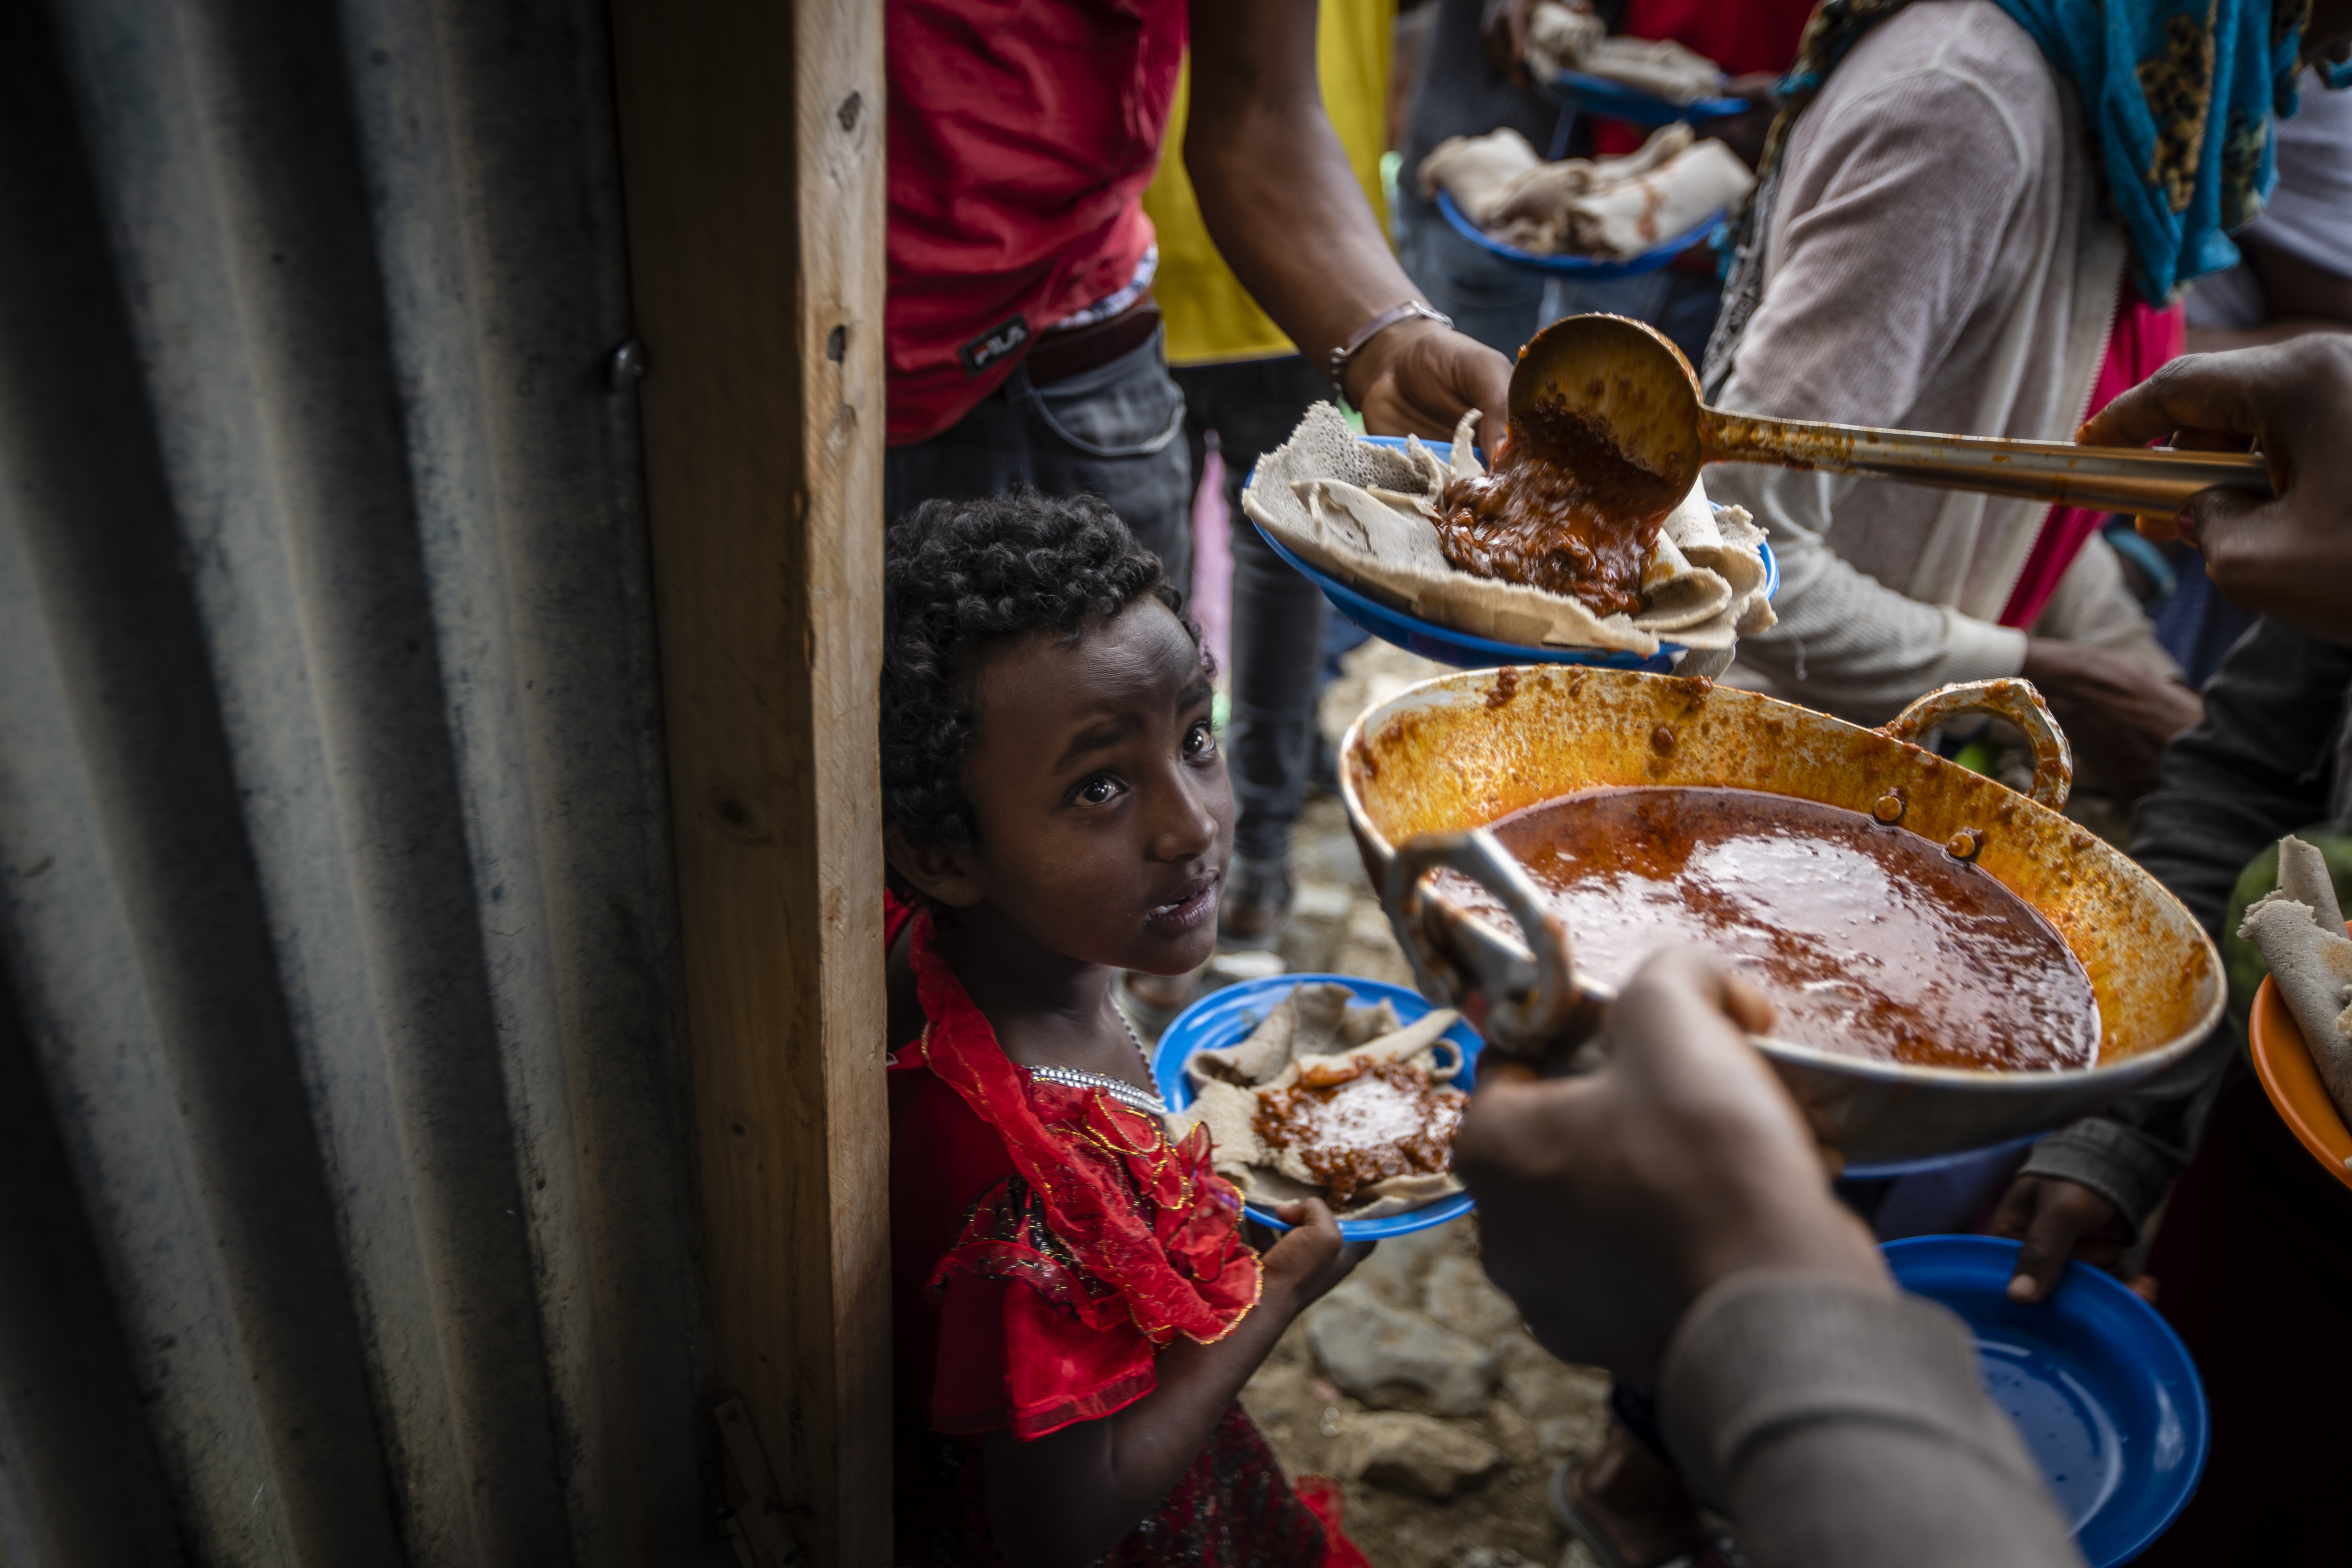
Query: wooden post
x: 751, y: 138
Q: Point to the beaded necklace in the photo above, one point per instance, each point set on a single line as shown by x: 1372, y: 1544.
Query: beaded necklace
x: 1126, y: 1093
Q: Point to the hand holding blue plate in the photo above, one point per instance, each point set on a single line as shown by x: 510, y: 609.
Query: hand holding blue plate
x: 1225, y: 1018
x: 2101, y: 1388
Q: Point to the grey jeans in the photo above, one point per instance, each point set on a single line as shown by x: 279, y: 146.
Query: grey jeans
x: 1114, y: 431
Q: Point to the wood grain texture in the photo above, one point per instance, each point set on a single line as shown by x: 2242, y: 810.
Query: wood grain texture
x: 753, y: 160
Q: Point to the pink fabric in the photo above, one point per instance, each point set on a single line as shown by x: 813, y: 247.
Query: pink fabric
x: 1211, y: 599
x: 2143, y: 339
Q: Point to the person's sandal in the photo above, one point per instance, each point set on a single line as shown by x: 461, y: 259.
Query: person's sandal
x: 1716, y: 1552
x: 1255, y: 903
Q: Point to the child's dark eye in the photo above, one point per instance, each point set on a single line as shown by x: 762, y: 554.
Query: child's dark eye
x: 1199, y: 741
x: 1100, y: 789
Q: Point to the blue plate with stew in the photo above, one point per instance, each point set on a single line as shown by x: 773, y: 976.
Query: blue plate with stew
x: 1225, y: 1017
x: 1580, y: 266
x: 1463, y: 650
x: 2101, y: 1388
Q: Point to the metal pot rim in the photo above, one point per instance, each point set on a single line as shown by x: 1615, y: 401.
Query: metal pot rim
x: 2139, y: 1065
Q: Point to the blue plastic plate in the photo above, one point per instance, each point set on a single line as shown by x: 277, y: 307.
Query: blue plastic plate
x: 1578, y: 266
x: 2098, y: 1384
x: 1461, y: 650
x: 1615, y: 100
x: 1225, y: 1018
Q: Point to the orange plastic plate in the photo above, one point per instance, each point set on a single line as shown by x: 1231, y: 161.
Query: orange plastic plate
x: 2282, y: 1061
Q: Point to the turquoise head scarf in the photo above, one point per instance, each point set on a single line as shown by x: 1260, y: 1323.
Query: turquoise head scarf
x: 2180, y: 95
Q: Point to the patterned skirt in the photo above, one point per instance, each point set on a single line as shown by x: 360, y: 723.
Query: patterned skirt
x: 1233, y: 1509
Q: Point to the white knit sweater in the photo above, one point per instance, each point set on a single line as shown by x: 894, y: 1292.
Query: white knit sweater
x: 1936, y: 261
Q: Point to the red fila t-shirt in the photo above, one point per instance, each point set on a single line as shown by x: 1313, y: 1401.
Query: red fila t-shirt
x: 1023, y: 133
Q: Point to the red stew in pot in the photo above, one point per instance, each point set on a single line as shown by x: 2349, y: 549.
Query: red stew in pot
x: 1871, y: 941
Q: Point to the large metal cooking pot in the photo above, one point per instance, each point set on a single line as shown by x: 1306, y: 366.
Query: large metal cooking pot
x: 1437, y: 762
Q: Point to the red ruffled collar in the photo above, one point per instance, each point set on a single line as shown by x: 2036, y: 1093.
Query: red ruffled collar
x: 1150, y: 1218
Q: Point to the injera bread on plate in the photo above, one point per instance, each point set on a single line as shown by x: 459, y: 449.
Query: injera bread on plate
x: 1363, y: 512
x: 1608, y: 207
x: 1314, y: 1020
x: 1318, y: 1021
x: 2300, y: 930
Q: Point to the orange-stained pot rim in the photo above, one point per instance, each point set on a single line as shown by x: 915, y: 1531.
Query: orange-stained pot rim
x: 1355, y: 748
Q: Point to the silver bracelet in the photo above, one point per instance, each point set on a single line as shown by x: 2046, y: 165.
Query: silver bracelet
x: 1337, y: 365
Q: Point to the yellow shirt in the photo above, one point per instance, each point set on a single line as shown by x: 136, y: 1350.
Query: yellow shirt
x: 1211, y: 317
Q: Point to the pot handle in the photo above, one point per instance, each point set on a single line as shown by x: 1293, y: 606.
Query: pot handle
x: 2012, y: 699
x: 1524, y: 1006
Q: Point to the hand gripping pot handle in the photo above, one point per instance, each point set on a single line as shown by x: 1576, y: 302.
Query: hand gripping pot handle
x: 1524, y: 1005
x: 2014, y: 700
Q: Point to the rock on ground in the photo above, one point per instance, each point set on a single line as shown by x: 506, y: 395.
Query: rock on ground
x: 1458, y: 1295
x: 1417, y: 1454
x: 1491, y: 1557
x: 1393, y: 1359
x: 1308, y: 1420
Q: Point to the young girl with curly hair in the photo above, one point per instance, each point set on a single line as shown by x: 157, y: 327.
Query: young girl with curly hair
x: 1076, y: 1307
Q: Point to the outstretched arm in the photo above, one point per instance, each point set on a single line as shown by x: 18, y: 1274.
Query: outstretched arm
x: 1069, y: 1497
x: 1609, y: 1204
x: 1283, y: 207
x: 1670, y: 1218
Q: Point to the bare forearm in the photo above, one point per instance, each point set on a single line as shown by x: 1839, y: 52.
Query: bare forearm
x: 1069, y: 1497
x: 1275, y: 185
x: 1154, y: 1440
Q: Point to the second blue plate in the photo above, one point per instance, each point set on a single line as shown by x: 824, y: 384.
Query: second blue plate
x: 2101, y: 1388
x: 1577, y: 266
x: 1226, y: 1017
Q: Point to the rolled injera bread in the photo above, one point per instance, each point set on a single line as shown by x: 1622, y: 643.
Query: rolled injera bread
x: 2313, y: 971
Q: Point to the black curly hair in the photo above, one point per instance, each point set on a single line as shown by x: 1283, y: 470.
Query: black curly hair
x: 957, y: 575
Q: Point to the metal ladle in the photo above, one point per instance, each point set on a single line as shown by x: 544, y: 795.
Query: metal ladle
x: 1637, y: 386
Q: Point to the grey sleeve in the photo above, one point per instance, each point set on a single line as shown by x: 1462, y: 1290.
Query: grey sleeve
x: 1897, y: 216
x: 1841, y: 1426
x: 2261, y: 765
x: 1847, y: 643
x: 2093, y: 607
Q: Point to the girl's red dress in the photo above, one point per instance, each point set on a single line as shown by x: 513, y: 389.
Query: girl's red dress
x: 1048, y: 1241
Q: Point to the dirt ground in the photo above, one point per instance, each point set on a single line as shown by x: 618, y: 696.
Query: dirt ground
x: 1542, y: 1412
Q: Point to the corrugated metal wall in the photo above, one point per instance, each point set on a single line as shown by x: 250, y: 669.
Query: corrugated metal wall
x: 345, y: 1206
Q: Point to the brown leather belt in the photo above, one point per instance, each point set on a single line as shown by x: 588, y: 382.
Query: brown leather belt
x: 1058, y: 356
